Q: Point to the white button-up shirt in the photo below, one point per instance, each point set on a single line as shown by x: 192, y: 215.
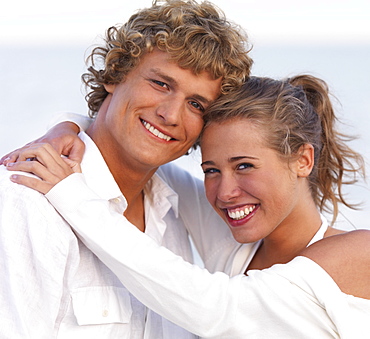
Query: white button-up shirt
x: 213, y: 240
x: 52, y: 286
x: 294, y: 300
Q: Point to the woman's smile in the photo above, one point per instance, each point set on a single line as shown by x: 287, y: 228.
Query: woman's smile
x: 239, y: 216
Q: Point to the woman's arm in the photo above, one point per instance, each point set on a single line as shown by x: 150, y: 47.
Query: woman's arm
x: 346, y: 258
x: 63, y: 136
x: 206, y: 228
x: 209, y: 305
x: 152, y: 273
x: 203, y: 303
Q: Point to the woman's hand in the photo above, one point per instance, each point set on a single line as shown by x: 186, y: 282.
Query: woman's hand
x: 63, y: 137
x: 43, y: 161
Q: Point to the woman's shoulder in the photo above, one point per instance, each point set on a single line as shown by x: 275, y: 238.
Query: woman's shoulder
x: 346, y: 258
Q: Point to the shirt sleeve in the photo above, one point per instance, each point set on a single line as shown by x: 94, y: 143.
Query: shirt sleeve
x: 82, y: 121
x: 206, y: 228
x: 203, y: 303
x: 33, y: 257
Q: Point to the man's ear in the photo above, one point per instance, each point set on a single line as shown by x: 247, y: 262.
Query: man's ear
x: 305, y: 161
x: 110, y: 88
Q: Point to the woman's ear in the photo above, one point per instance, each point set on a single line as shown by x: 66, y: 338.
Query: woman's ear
x: 110, y: 88
x: 305, y: 161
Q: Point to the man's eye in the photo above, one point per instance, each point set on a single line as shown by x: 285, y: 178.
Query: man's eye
x: 197, y: 106
x: 160, y: 83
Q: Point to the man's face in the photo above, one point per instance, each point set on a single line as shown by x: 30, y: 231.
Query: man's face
x: 155, y: 115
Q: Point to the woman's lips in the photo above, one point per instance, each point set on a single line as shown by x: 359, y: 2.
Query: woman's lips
x: 240, y: 215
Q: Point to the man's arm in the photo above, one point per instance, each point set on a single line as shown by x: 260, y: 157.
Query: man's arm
x: 33, y: 258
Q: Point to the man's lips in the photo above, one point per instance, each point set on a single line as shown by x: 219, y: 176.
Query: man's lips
x: 155, y: 131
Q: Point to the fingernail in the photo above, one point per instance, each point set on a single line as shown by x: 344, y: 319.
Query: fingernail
x: 13, y: 177
x: 10, y: 164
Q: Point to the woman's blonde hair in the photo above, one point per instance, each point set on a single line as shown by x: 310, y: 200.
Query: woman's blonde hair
x: 196, y: 36
x: 295, y: 112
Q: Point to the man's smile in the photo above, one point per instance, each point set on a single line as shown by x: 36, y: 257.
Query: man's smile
x: 154, y: 131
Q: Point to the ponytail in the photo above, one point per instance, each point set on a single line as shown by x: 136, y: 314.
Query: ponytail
x: 295, y: 112
x: 337, y: 163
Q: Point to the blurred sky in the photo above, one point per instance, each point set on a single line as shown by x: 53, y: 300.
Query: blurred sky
x: 79, y: 21
x: 42, y: 47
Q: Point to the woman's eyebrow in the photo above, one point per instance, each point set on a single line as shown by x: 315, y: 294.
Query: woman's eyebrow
x: 241, y: 157
x: 232, y: 159
x: 208, y: 162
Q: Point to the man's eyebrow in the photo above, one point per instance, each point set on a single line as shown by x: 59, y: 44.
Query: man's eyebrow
x: 171, y: 81
x: 165, y: 77
x: 202, y: 99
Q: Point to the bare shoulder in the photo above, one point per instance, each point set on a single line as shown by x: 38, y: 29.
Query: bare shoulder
x: 346, y: 258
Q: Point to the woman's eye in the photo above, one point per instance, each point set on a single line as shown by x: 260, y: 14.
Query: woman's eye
x: 197, y: 106
x: 245, y: 166
x: 210, y: 170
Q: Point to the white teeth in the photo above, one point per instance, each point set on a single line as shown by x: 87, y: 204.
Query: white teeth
x: 237, y: 215
x: 157, y: 133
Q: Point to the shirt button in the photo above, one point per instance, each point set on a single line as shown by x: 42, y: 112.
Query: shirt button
x: 117, y: 200
x: 105, y: 313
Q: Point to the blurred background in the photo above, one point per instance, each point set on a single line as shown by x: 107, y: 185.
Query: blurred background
x: 43, y: 47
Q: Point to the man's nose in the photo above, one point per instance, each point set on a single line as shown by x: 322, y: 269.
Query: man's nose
x: 171, y: 112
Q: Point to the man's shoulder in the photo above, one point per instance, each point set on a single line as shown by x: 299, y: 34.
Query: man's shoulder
x: 22, y: 207
x: 10, y: 188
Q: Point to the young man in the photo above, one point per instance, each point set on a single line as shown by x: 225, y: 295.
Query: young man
x: 162, y: 69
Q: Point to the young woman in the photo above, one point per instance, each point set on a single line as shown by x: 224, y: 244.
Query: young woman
x: 273, y: 161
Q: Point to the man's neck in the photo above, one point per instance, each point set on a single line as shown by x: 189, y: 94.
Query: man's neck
x: 131, y: 183
x: 130, y: 179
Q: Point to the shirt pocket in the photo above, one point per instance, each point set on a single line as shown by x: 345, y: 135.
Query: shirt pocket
x: 101, y: 305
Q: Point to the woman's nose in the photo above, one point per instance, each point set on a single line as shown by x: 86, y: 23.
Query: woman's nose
x: 228, y: 189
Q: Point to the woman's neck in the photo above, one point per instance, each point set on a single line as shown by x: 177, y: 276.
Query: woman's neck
x: 288, y: 239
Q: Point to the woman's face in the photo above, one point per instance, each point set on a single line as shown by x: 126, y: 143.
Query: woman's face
x: 246, y: 182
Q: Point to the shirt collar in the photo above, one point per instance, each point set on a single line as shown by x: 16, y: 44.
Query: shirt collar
x: 100, y: 179
x: 97, y: 174
x: 160, y: 194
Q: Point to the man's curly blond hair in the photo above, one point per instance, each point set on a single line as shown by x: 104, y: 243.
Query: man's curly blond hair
x: 197, y: 36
